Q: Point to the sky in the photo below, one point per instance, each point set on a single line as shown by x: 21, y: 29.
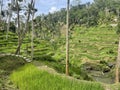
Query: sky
x: 45, y: 6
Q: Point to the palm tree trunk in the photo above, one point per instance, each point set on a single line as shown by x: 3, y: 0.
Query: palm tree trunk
x: 118, y: 64
x: 67, y: 39
x: 32, y: 34
x: 18, y: 23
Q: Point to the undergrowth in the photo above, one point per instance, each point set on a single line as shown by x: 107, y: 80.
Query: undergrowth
x: 30, y: 78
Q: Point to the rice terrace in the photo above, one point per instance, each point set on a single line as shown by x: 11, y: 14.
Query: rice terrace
x: 60, y: 45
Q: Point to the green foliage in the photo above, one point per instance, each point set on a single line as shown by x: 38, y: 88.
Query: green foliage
x: 99, y: 12
x: 118, y: 28
x: 86, y: 45
x: 30, y: 78
x: 9, y: 63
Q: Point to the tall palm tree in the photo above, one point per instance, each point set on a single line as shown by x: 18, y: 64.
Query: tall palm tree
x: 26, y: 28
x: 67, y: 39
x: 117, y: 64
x: 32, y: 34
x: 118, y: 57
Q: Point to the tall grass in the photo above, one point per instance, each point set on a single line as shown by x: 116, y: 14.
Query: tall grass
x: 30, y: 78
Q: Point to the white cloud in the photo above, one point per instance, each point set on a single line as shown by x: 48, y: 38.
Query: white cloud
x: 53, y: 9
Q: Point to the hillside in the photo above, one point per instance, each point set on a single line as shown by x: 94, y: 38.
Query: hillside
x: 45, y: 46
x: 94, y: 43
x: 92, y: 49
x: 30, y: 78
x: 7, y: 65
x: 93, y: 52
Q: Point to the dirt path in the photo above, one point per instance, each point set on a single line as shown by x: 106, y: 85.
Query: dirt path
x: 110, y: 86
x: 107, y: 87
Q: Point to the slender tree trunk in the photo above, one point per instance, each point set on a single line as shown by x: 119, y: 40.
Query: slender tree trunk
x: 8, y: 26
x: 67, y: 39
x: 118, y: 57
x: 23, y: 35
x: 24, y: 32
x: 1, y: 6
x: 18, y: 23
x: 32, y: 34
x: 32, y: 39
x: 118, y: 64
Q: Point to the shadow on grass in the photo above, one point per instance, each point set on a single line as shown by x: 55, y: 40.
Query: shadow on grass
x: 59, y: 66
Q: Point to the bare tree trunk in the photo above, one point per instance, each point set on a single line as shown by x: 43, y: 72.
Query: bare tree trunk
x: 18, y: 23
x: 118, y: 64
x: 118, y: 57
x: 24, y: 32
x: 8, y: 26
x: 67, y: 39
x: 32, y: 34
x: 23, y: 35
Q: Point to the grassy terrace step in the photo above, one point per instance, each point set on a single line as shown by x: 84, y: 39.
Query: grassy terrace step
x: 94, y: 43
x: 7, y: 49
x: 39, y: 49
x: 7, y: 44
x: 9, y: 36
x: 30, y: 78
x: 91, y: 37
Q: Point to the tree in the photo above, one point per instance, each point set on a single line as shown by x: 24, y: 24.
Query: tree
x: 15, y: 7
x: 9, y: 15
x: 67, y: 39
x: 29, y: 8
x: 32, y: 34
x: 18, y: 23
x: 1, y: 8
x: 118, y: 57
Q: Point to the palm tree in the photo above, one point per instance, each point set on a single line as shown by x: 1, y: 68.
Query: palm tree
x: 67, y: 39
x: 32, y: 34
x: 117, y: 64
x: 1, y: 8
x: 118, y: 57
x: 18, y: 23
x: 26, y: 28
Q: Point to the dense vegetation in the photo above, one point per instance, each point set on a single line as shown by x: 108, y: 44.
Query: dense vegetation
x: 89, y: 50
x: 88, y: 14
x: 30, y: 78
x: 93, y: 38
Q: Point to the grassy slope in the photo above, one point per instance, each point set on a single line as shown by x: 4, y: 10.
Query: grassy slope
x: 30, y: 78
x: 86, y: 45
x: 7, y: 65
x: 94, y: 43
